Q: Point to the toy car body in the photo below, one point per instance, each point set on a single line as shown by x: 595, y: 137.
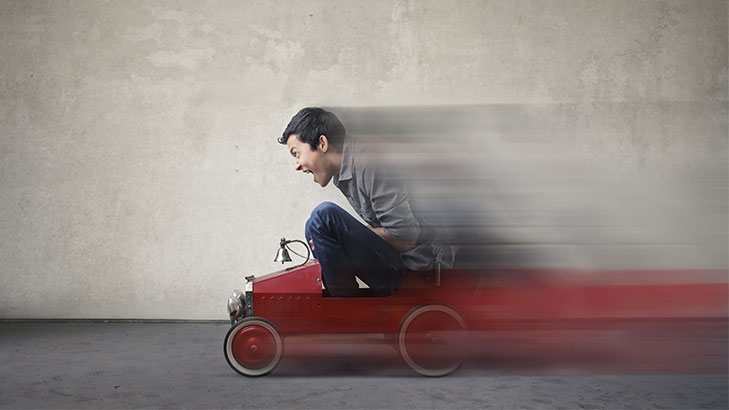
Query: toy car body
x: 433, y: 313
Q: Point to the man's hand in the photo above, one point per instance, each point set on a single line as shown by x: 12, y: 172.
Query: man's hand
x: 397, y: 244
x: 311, y: 242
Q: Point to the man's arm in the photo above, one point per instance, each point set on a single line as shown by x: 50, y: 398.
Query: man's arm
x: 390, y: 203
x: 399, y: 245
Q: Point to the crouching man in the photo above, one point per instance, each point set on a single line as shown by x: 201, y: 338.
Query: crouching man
x: 396, y: 241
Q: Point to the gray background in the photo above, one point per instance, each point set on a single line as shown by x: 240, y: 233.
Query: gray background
x: 139, y: 172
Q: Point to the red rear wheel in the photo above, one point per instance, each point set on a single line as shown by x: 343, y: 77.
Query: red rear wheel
x: 430, y: 340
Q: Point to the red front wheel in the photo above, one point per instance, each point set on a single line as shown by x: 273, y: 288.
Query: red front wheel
x: 253, y: 347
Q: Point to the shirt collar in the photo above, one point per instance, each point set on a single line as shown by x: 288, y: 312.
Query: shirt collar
x: 345, y: 170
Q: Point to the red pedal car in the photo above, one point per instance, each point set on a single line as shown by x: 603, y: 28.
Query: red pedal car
x: 433, y: 314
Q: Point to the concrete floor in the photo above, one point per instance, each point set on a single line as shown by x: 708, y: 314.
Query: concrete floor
x: 181, y: 365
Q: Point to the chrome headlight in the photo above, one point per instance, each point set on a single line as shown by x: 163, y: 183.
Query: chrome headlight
x: 236, y: 305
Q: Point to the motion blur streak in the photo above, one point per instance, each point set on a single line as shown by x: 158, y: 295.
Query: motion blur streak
x: 599, y: 186
x: 639, y: 347
x: 555, y: 321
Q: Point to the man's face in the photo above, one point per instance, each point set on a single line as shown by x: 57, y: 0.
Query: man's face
x: 311, y: 161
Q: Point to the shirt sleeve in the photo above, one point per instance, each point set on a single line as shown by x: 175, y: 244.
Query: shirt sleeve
x: 390, y: 202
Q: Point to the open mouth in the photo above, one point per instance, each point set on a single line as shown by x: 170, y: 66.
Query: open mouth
x: 312, y: 173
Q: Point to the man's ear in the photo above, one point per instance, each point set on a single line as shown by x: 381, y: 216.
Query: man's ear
x: 324, y: 143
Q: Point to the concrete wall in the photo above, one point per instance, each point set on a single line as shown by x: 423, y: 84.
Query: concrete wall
x: 139, y: 172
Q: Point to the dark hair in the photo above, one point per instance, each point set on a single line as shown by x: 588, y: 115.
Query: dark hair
x: 311, y: 122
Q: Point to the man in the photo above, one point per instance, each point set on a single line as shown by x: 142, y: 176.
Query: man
x: 395, y: 241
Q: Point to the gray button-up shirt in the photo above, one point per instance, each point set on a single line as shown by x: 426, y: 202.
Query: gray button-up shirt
x: 380, y: 196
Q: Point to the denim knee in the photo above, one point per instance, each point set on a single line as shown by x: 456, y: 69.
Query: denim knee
x: 320, y: 217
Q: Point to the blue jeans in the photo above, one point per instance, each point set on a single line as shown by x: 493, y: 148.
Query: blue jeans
x: 345, y: 248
